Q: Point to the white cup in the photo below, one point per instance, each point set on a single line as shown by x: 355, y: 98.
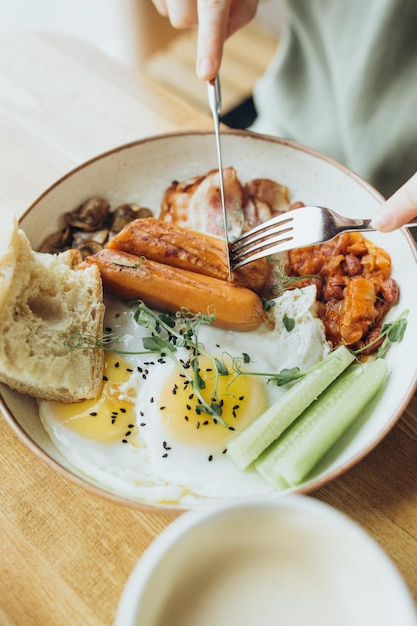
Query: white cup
x: 287, y: 561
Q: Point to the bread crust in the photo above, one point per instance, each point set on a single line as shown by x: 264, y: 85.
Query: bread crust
x: 44, y: 299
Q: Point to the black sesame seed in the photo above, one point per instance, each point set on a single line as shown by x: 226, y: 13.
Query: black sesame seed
x: 142, y: 424
x: 164, y: 456
x: 141, y: 413
x: 105, y: 378
x: 122, y: 410
x: 210, y: 457
x: 131, y: 425
x: 205, y: 423
x: 237, y: 406
x: 124, y: 440
x: 224, y: 451
x: 188, y: 407
x: 161, y: 408
x: 129, y: 369
x: 186, y: 418
x: 197, y: 425
x: 139, y: 369
x: 231, y: 428
x: 93, y: 413
x: 129, y: 432
x: 241, y: 398
x: 108, y: 329
x: 152, y: 400
x: 117, y: 364
x: 190, y: 397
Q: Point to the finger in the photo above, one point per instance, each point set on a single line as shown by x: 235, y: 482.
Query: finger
x: 161, y: 7
x: 181, y: 13
x: 241, y: 13
x: 212, y: 19
x: 399, y: 209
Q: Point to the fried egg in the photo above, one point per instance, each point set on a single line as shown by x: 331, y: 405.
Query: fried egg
x: 149, y: 436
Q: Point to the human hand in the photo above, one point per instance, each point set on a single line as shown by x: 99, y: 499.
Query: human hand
x: 217, y: 20
x: 399, y: 209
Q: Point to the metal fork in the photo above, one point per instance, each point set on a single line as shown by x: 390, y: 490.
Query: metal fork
x: 298, y: 228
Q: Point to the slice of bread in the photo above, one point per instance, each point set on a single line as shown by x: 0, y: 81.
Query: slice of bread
x: 44, y: 300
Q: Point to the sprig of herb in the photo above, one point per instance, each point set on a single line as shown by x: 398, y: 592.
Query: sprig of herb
x: 391, y: 332
x: 140, y: 261
x: 285, y: 376
x: 187, y: 337
x: 281, y: 281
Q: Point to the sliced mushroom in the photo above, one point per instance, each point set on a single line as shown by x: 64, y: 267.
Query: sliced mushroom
x: 90, y: 247
x: 81, y: 236
x: 59, y: 241
x: 126, y: 213
x: 90, y: 216
x: 89, y: 227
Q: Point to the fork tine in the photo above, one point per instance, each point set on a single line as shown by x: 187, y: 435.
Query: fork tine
x: 261, y: 241
x: 273, y: 246
x: 262, y: 230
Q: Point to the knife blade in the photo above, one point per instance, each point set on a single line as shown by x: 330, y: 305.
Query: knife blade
x: 214, y: 98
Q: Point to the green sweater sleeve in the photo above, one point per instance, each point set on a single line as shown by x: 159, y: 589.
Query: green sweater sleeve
x: 344, y: 82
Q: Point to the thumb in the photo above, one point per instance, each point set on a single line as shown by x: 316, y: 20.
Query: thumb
x: 399, y: 209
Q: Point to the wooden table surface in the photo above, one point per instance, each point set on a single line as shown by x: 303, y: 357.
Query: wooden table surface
x: 66, y: 553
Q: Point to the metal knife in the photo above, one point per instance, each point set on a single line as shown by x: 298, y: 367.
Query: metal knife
x: 215, y: 102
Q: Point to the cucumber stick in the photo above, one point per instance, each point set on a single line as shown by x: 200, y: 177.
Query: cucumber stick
x: 270, y: 425
x: 298, y: 450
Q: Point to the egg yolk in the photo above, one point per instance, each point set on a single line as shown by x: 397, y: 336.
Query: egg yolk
x: 110, y: 417
x: 243, y: 399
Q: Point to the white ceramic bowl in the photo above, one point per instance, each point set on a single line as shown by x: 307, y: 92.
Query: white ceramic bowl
x: 292, y: 561
x: 141, y: 171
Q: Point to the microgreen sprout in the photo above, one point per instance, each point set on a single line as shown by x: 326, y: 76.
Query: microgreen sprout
x: 281, y: 280
x: 186, y: 336
x: 391, y: 332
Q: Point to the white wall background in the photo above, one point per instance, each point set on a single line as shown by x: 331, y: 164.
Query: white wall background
x: 107, y: 24
x: 112, y: 26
